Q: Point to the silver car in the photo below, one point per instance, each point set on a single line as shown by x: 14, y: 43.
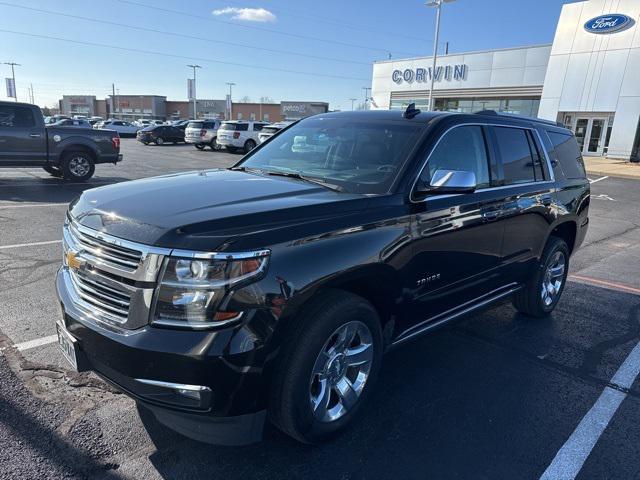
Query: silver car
x: 202, y: 133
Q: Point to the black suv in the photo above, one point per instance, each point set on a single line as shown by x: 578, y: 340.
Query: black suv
x: 220, y: 298
x: 160, y: 134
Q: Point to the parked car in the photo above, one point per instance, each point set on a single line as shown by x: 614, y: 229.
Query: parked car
x: 237, y: 135
x: 271, y: 290
x: 202, y: 133
x: 142, y: 123
x: 54, y: 119
x: 123, y: 127
x: 160, y: 134
x: 270, y: 130
x: 72, y: 122
x: 62, y: 151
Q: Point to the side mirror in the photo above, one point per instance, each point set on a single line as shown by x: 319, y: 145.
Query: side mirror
x: 449, y: 181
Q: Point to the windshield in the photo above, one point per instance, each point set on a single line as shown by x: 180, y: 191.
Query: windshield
x: 360, y: 156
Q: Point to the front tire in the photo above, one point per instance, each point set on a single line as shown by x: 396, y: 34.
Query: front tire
x: 542, y: 293
x: 159, y: 141
x: 214, y: 145
x: 249, y: 145
x: 328, y: 367
x: 77, y: 166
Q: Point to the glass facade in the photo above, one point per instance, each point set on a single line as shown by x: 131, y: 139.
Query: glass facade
x: 519, y: 106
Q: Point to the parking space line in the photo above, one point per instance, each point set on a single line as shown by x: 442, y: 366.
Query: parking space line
x: 3, y: 207
x: 571, y: 457
x: 33, y: 244
x: 597, y: 179
x: 38, y: 342
x: 604, y: 283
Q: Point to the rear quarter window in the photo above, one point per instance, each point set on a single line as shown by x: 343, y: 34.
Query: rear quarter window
x: 568, y: 155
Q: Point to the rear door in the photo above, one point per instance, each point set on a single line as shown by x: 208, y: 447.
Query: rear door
x: 22, y: 137
x: 457, y: 239
x: 529, y: 195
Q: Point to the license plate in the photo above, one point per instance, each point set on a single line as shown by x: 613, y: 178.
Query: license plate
x: 68, y: 345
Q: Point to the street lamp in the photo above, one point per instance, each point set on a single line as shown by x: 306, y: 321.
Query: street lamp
x: 438, y: 5
x: 231, y: 84
x: 366, y: 96
x: 352, y: 100
x: 195, y: 114
x: 13, y: 74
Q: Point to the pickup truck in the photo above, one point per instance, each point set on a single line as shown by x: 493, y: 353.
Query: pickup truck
x: 67, y: 152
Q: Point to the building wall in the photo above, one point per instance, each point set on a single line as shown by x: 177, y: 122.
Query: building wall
x: 512, y: 72
x: 78, y: 105
x: 596, y: 72
x: 269, y: 112
x: 132, y: 107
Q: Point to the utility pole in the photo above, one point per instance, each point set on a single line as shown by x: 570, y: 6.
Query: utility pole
x: 352, y: 100
x: 438, y: 5
x: 231, y: 85
x: 195, y: 113
x: 13, y: 74
x: 366, y: 96
x: 31, y: 96
x: 113, y: 99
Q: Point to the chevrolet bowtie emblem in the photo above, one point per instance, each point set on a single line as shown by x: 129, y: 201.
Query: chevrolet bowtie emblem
x: 73, y: 261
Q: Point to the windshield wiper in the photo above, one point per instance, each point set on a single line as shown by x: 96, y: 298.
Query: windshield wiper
x: 317, y: 181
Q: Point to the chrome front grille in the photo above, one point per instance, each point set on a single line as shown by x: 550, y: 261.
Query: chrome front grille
x: 107, y: 299
x: 110, y: 280
x: 108, y: 253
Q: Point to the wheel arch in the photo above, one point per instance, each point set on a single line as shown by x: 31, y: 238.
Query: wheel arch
x: 566, y: 230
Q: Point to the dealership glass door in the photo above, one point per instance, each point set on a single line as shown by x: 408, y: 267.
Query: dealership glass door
x: 590, y: 134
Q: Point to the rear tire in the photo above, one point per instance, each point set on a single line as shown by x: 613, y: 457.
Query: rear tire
x: 249, y: 145
x: 542, y: 292
x: 159, y: 141
x: 214, y: 145
x: 199, y: 146
x: 77, y: 166
x: 320, y: 384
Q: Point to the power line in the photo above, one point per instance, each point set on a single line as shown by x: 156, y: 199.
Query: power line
x: 263, y: 29
x: 184, y: 57
x: 182, y: 35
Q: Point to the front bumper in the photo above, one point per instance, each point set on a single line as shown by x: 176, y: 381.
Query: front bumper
x: 142, y: 362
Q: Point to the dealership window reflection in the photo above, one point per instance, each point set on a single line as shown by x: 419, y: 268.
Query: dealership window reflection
x: 519, y: 106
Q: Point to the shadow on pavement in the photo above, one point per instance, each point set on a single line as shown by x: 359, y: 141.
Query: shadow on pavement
x: 48, y: 190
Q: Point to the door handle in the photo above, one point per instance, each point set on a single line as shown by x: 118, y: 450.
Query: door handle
x: 35, y: 135
x: 491, y: 215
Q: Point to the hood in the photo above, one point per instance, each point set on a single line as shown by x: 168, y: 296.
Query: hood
x: 201, y: 210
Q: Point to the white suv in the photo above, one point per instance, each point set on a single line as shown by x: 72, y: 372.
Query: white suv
x: 202, y: 133
x: 239, y: 135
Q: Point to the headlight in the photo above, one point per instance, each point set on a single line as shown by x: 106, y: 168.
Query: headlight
x: 192, y: 291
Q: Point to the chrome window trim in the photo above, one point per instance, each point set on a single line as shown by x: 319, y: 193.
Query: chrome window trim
x: 488, y: 189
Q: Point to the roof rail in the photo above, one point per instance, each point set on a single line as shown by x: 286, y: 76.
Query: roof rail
x: 520, y: 117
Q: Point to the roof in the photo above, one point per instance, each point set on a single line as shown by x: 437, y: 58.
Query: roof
x: 382, y: 115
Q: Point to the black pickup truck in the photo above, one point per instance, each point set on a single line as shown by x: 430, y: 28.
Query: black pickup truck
x: 220, y: 298
x: 67, y: 152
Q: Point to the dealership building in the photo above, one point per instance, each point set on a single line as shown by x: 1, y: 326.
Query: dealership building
x: 588, y: 78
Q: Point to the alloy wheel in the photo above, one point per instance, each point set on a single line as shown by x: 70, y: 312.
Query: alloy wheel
x: 79, y: 166
x: 553, y: 278
x: 341, y: 371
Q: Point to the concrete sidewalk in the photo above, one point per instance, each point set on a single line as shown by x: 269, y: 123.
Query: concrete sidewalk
x: 612, y: 167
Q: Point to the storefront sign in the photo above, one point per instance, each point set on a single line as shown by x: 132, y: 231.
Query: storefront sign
x: 421, y: 75
x: 608, y: 23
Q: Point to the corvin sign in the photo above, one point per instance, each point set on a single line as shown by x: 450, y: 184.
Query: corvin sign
x: 611, y: 23
x: 421, y: 75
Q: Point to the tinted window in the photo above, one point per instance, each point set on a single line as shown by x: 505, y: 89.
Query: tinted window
x: 462, y: 148
x: 14, y: 116
x: 197, y: 125
x: 235, y: 126
x: 568, y: 154
x: 257, y: 127
x: 515, y: 152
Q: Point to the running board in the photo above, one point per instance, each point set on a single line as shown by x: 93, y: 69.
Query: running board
x: 446, y: 317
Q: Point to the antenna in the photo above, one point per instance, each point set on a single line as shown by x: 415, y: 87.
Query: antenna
x: 411, y: 111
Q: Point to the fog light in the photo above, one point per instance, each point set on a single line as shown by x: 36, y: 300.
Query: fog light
x: 193, y: 394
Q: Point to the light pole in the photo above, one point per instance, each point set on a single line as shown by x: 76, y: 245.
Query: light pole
x: 352, y: 100
x: 438, y: 5
x: 231, y: 84
x: 13, y: 74
x: 195, y: 114
x: 366, y: 96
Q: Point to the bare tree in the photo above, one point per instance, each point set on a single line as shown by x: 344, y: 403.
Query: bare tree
x: 245, y: 99
x: 266, y: 99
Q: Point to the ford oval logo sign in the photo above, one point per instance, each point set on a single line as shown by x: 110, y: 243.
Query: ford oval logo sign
x: 608, y: 23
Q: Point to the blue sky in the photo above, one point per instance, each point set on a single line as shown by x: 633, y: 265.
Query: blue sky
x: 348, y: 35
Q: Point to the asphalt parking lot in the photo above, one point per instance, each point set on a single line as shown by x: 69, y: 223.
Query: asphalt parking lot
x: 497, y: 395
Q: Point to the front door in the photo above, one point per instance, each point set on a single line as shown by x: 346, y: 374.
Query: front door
x: 590, y: 134
x: 22, y: 140
x: 457, y: 239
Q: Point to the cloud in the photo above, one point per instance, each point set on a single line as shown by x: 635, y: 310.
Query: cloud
x: 247, y: 14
